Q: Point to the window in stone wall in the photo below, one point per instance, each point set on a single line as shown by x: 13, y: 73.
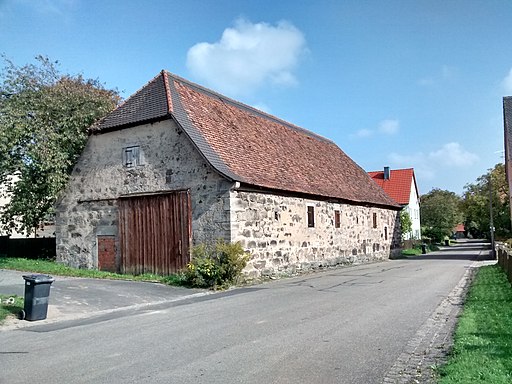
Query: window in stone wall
x: 385, y: 233
x: 132, y: 156
x: 337, y: 219
x: 311, y: 216
x: 374, y: 220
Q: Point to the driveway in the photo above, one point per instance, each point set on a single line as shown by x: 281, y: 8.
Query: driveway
x: 72, y: 298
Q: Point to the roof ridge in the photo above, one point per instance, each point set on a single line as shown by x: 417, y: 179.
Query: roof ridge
x: 394, y: 169
x: 248, y: 108
x: 167, y: 91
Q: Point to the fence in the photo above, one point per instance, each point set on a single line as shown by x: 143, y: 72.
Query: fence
x: 504, y: 254
x: 29, y: 248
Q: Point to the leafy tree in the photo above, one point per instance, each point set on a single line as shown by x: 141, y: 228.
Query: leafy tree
x: 476, y: 204
x: 440, y: 213
x: 44, y: 116
x: 405, y: 222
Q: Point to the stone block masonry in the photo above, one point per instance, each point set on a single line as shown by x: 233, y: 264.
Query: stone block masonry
x: 164, y: 160
x: 276, y: 231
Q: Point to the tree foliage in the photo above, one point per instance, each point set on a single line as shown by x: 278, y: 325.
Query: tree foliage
x: 476, y: 204
x: 44, y: 116
x: 440, y: 213
x: 405, y: 222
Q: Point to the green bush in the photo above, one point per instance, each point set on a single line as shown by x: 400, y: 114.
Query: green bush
x: 216, y: 266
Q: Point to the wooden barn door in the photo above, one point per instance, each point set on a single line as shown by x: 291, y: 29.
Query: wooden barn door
x: 155, y: 233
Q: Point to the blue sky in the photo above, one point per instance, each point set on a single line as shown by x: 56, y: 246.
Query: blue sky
x: 394, y: 83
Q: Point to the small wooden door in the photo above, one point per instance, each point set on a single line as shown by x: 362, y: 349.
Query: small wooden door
x: 107, y: 254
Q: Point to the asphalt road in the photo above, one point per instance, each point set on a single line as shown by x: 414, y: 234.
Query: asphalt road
x: 347, y: 325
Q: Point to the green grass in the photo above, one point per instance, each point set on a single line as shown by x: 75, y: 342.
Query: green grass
x: 10, y: 306
x: 482, y: 351
x: 53, y: 268
x: 411, y: 252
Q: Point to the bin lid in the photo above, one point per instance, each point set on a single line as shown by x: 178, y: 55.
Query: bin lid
x: 37, y: 279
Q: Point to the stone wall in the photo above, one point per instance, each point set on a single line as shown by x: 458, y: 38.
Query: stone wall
x: 275, y: 230
x: 167, y: 161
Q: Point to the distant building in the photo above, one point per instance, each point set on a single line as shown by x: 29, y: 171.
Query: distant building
x: 459, y: 232
x: 46, y: 229
x: 400, y: 185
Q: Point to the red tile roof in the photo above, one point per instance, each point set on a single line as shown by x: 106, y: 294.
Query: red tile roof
x: 247, y: 145
x: 398, y: 186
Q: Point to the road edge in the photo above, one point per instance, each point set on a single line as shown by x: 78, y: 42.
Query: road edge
x: 429, y: 347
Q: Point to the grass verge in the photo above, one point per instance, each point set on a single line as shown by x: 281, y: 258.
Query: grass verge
x: 52, y: 268
x: 482, y: 351
x: 10, y: 306
x: 411, y: 252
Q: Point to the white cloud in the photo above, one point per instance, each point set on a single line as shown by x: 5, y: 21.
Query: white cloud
x: 417, y: 161
x: 448, y: 72
x: 445, y: 73
x: 263, y: 107
x: 452, y: 154
x: 363, y: 133
x: 389, y: 127
x: 55, y: 7
x: 62, y: 9
x: 507, y: 83
x: 427, y: 166
x: 247, y: 56
x: 385, y: 127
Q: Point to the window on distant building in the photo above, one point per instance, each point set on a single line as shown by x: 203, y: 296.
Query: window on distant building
x: 374, y: 220
x: 385, y: 233
x: 311, y: 216
x: 337, y: 219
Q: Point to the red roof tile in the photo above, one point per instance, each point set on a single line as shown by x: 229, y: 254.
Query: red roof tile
x: 398, y: 186
x: 247, y: 145
x: 459, y: 228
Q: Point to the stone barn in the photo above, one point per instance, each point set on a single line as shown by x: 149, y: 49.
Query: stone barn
x: 177, y: 165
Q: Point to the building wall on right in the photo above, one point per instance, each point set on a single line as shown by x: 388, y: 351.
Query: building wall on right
x: 507, y: 122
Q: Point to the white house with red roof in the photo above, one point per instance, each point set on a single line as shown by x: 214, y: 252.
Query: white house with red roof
x: 178, y: 165
x: 401, y: 186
